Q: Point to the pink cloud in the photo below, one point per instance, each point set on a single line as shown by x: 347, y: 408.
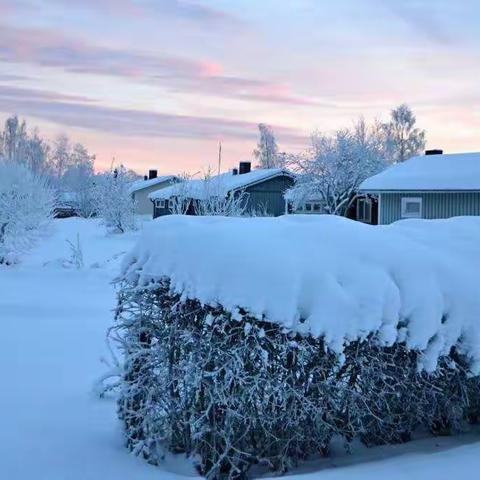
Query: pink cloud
x: 79, y: 112
x: 181, y: 9
x: 51, y: 49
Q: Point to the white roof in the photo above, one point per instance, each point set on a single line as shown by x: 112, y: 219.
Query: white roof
x: 219, y: 185
x: 141, y: 184
x: 457, y: 171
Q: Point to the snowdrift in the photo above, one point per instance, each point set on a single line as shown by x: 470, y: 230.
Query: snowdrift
x: 415, y: 282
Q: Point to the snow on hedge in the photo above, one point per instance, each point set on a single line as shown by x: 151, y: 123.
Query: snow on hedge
x: 416, y: 281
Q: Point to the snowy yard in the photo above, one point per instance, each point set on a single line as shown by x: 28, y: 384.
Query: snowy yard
x: 53, y: 427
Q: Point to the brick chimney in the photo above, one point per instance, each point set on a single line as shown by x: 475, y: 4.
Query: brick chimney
x: 244, y: 167
x: 152, y: 174
x: 435, y: 151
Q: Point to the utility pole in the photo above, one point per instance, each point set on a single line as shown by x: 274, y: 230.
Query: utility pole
x: 219, y: 157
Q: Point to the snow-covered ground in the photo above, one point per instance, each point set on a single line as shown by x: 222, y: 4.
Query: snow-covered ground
x: 53, y: 427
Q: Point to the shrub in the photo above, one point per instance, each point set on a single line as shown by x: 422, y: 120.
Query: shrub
x: 26, y: 206
x: 115, y: 204
x: 233, y: 391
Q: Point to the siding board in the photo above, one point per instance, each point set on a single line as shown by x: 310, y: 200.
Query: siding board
x: 435, y: 204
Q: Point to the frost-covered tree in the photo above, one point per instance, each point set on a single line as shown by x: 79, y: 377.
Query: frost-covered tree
x: 114, y: 201
x: 13, y: 139
x: 70, y: 168
x: 266, y: 152
x: 233, y: 204
x: 79, y: 180
x: 207, y: 197
x: 404, y: 139
x: 19, y: 146
x: 26, y: 205
x: 335, y: 165
x: 36, y: 154
x: 60, y: 156
x: 217, y: 200
x: 180, y: 203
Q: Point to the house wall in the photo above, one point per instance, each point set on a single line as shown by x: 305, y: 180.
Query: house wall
x: 144, y: 204
x: 160, y: 212
x: 268, y: 196
x: 434, y: 205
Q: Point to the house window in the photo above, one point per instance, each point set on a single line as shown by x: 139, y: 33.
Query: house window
x: 312, y: 207
x: 171, y: 204
x: 364, y: 210
x: 160, y: 203
x: 411, y: 207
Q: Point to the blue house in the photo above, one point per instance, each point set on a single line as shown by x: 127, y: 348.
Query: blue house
x: 427, y: 186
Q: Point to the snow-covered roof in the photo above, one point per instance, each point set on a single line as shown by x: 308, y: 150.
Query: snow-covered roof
x: 415, y: 281
x: 458, y: 171
x: 141, y: 184
x: 218, y: 185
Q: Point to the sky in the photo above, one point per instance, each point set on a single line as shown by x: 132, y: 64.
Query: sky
x: 158, y: 83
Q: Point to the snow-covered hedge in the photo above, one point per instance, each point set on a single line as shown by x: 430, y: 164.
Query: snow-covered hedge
x: 26, y: 206
x: 254, y: 341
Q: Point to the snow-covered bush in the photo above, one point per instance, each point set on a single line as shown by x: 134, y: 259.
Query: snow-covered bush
x: 239, y: 355
x: 207, y: 197
x: 115, y: 203
x: 26, y: 206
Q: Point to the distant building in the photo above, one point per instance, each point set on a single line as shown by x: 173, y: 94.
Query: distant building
x: 141, y: 189
x: 263, y: 190
x: 65, y: 205
x: 428, y: 186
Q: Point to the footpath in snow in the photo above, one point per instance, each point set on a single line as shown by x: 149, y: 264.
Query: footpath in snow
x: 54, y: 321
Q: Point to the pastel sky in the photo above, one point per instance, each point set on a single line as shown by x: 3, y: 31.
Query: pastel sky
x: 157, y: 83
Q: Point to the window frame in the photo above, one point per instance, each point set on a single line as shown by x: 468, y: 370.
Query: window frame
x: 367, y: 208
x: 407, y: 200
x: 160, y: 203
x: 310, y: 207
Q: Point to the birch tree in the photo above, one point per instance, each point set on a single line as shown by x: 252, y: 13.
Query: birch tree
x: 404, y: 139
x: 60, y: 156
x: 266, y: 152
